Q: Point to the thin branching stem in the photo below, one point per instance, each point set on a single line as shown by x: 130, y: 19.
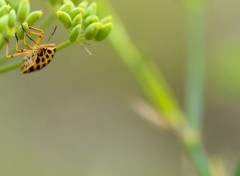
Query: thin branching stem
x: 196, y: 55
x: 157, y: 90
x: 63, y: 45
x: 10, y: 67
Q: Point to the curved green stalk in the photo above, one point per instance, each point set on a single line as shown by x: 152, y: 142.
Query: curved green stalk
x: 147, y: 75
x: 157, y: 90
x: 63, y: 45
x: 196, y: 66
x: 195, y: 80
x: 10, y: 67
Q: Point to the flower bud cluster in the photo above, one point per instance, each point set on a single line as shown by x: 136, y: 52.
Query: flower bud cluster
x: 78, y: 17
x: 13, y: 13
x: 82, y: 21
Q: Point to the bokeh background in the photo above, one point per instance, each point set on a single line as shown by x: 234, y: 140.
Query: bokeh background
x: 74, y: 118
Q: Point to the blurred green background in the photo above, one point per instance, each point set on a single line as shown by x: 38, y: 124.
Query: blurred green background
x: 74, y: 118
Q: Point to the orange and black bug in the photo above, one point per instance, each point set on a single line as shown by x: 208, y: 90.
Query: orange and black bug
x: 37, y: 56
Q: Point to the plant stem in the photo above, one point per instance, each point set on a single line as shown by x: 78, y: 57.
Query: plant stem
x: 195, y: 82
x: 196, y: 67
x: 8, y: 68
x: 63, y: 45
x: 199, y: 158
x: 155, y: 87
x: 147, y: 75
x: 196, y: 56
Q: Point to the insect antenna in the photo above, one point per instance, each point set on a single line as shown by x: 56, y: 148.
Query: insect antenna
x: 28, y: 36
x: 52, y: 33
x: 32, y: 40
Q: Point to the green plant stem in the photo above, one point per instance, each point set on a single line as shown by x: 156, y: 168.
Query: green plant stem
x: 63, y: 45
x: 196, y: 66
x: 195, y: 80
x: 199, y: 158
x: 10, y: 67
x: 237, y: 168
x: 147, y: 75
x: 155, y: 87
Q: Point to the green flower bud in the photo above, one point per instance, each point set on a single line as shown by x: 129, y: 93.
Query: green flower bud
x: 64, y: 18
x: 83, y: 4
x: 7, y: 33
x: 21, y: 29
x: 75, y: 11
x: 91, y: 10
x: 25, y: 27
x: 90, y: 19
x: 13, y: 3
x: 77, y: 20
x: 2, y: 3
x: 103, y: 31
x: 92, y: 30
x: 23, y: 10
x: 75, y: 32
x: 20, y: 32
x: 106, y: 19
x: 4, y: 10
x: 67, y: 7
x: 12, y: 18
x: 10, y: 32
x: 33, y: 17
x: 3, y: 23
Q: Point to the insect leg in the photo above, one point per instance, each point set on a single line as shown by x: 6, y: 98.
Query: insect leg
x: 25, y: 41
x: 40, y: 35
x: 14, y: 55
x: 17, y: 49
x: 24, y: 38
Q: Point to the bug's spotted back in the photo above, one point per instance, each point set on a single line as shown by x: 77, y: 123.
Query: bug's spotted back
x: 37, y: 56
x: 37, y: 59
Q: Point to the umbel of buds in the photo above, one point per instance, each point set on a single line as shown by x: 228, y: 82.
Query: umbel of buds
x: 79, y: 18
x: 82, y: 21
x: 13, y: 14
